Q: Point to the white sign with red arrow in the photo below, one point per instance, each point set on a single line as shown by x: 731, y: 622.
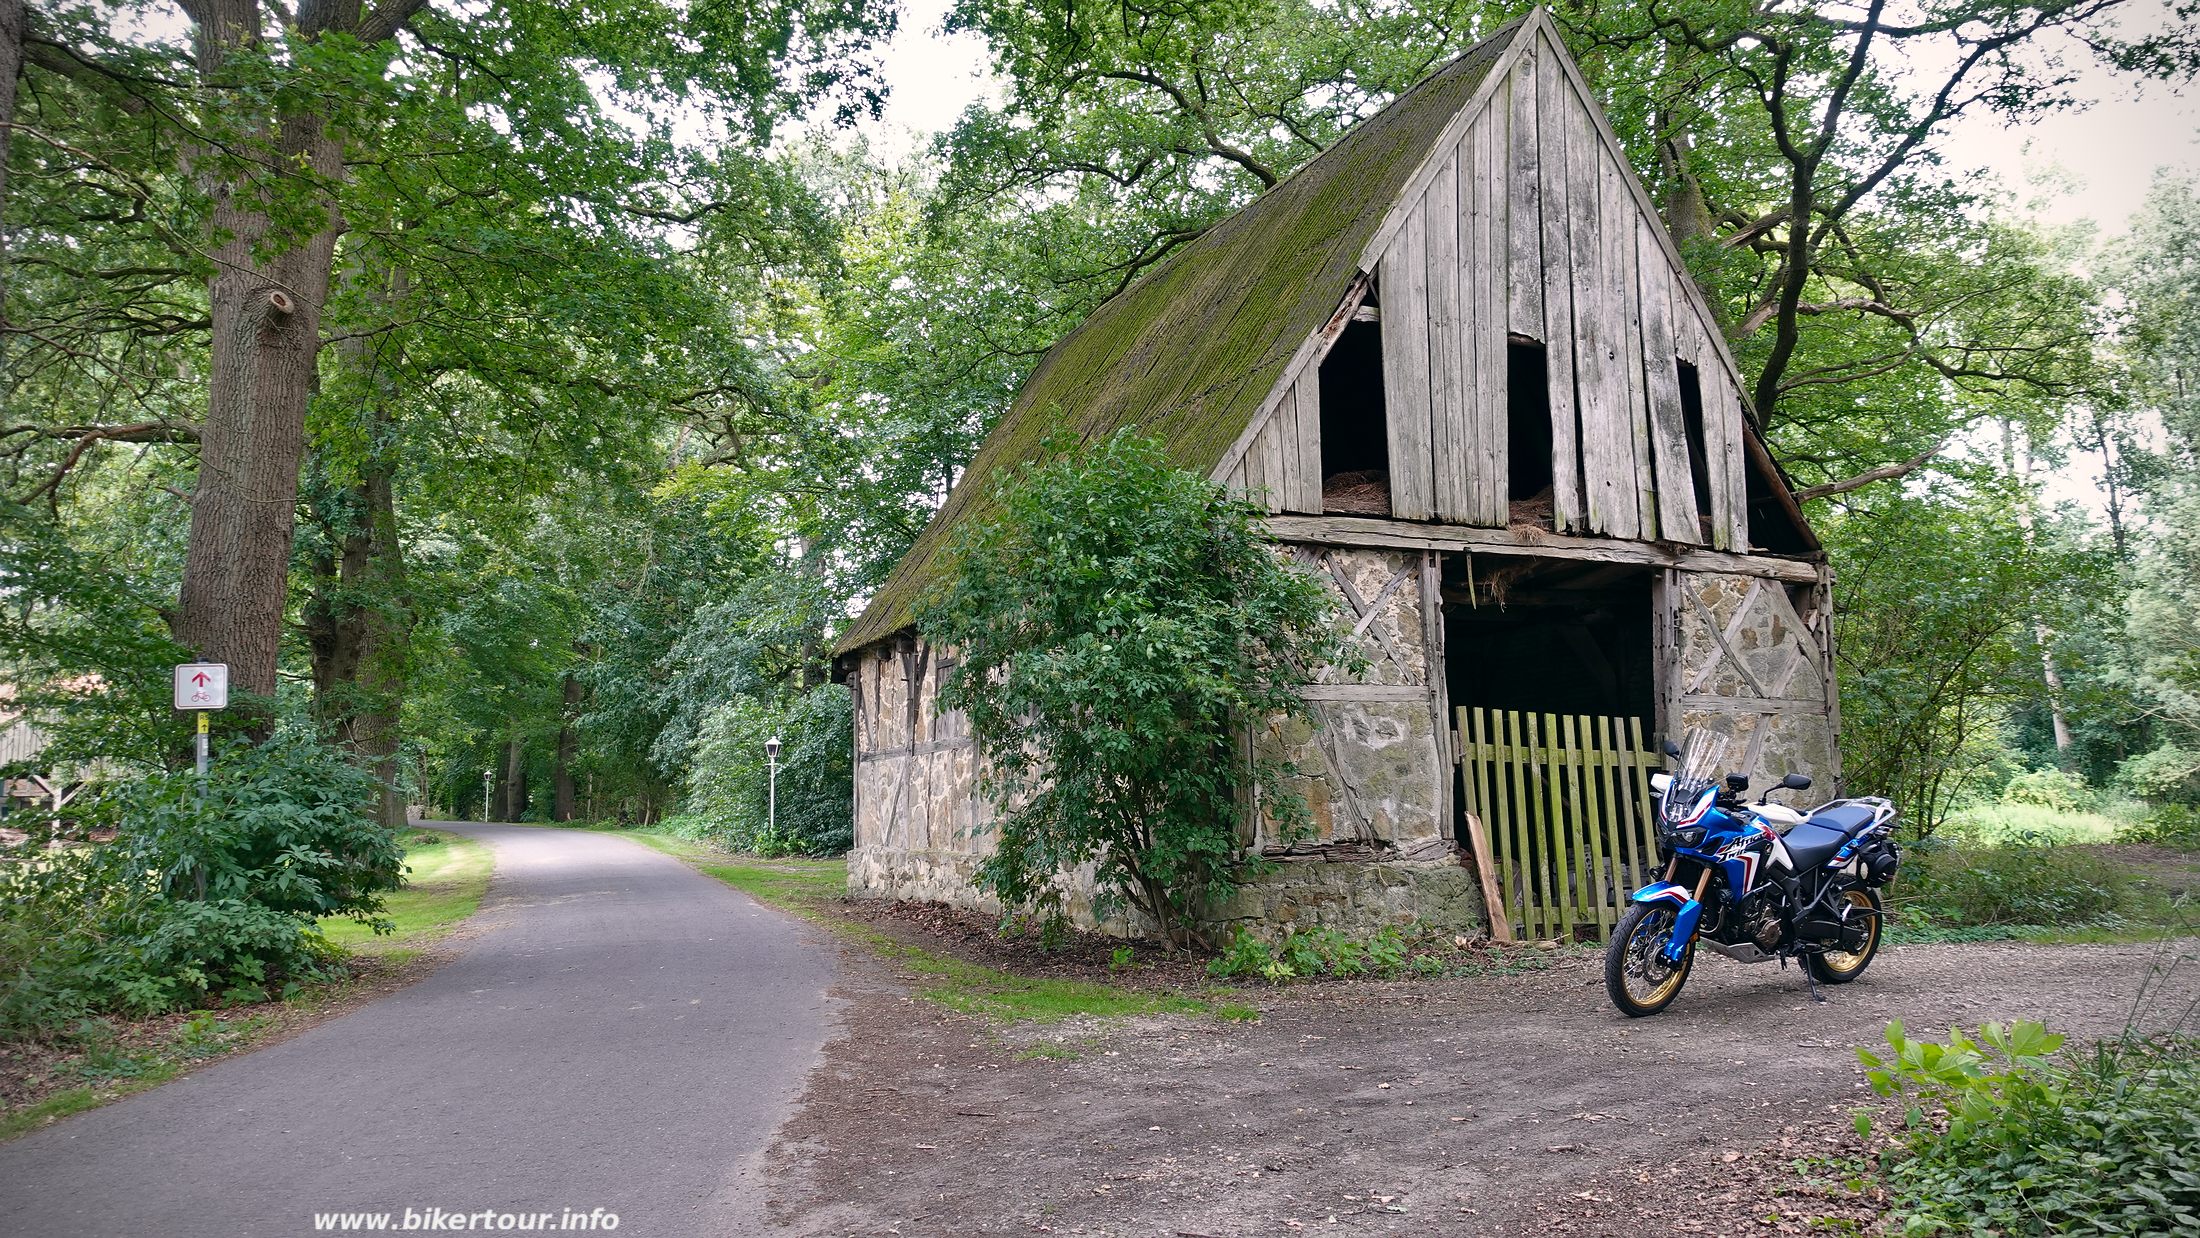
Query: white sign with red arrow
x: 202, y: 685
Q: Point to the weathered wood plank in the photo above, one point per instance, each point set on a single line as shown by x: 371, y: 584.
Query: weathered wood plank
x: 1607, y: 455
x: 1721, y: 399
x: 1286, y: 429
x: 1272, y: 456
x: 1406, y: 369
x: 1370, y: 692
x: 1557, y: 828
x: 1306, y: 401
x: 1488, y: 275
x: 1676, y: 487
x: 1524, y: 192
x: 1449, y: 339
x: 1553, y: 155
x: 1622, y: 224
x: 1374, y: 531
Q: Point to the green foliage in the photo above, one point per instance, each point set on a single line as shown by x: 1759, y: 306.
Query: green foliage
x: 193, y: 901
x: 2031, y: 884
x: 2171, y: 825
x: 2054, y: 789
x: 1305, y: 954
x: 2167, y: 775
x: 1117, y: 622
x: 1999, y: 1139
x: 729, y: 783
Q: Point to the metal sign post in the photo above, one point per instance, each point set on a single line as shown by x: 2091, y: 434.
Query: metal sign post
x: 202, y: 688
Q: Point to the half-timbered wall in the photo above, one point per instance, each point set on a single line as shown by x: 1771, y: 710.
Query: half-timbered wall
x: 1373, y: 767
x: 1752, y: 661
x: 918, y: 816
x: 1529, y: 226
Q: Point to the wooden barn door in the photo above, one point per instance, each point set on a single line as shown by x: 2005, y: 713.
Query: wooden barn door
x: 1565, y: 801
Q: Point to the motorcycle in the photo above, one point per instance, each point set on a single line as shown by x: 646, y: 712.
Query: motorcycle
x: 1752, y: 882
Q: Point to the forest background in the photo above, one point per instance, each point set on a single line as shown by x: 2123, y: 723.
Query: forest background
x: 532, y: 390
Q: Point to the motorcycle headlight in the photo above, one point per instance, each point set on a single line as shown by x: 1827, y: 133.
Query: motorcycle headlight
x: 1690, y: 837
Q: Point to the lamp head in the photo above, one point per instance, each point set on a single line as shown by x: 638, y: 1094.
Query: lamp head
x: 771, y: 747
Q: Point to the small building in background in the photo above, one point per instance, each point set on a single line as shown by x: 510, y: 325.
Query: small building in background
x: 1460, y: 361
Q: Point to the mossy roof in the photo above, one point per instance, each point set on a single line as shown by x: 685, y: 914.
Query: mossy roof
x: 1190, y: 352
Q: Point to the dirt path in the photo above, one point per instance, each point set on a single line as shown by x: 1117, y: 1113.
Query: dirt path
x: 1498, y: 1105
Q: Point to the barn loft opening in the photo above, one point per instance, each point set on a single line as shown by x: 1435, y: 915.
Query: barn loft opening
x: 1699, y: 454
x: 1770, y: 526
x: 1528, y: 431
x: 1355, y: 429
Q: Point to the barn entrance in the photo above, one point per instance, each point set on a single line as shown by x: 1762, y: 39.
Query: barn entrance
x: 1552, y: 675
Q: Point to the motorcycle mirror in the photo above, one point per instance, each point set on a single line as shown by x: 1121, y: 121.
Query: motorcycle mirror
x: 1796, y: 782
x: 1672, y: 749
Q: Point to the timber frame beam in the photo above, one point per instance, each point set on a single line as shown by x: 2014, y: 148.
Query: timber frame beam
x: 1375, y: 531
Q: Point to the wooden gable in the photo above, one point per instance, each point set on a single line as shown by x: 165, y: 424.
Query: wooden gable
x: 1526, y: 229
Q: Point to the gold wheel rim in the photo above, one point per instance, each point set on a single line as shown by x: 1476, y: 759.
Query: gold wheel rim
x: 1842, y: 961
x: 1643, y: 959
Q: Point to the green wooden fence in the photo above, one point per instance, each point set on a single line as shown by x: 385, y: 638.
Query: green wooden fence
x: 1565, y: 799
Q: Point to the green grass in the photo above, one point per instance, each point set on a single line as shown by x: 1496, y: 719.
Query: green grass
x: 811, y: 888
x: 1994, y: 824
x: 446, y: 875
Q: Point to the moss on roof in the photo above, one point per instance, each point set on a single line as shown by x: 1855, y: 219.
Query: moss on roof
x: 1189, y: 352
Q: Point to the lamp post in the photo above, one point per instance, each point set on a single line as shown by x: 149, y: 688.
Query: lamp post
x: 771, y: 763
x: 486, y: 775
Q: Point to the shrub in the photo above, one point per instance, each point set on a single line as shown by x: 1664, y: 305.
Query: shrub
x: 195, y: 901
x: 2171, y: 825
x: 1304, y: 954
x: 2000, y: 1139
x: 729, y: 785
x: 1119, y: 620
x: 2017, y: 883
x: 2057, y: 789
x: 2167, y: 775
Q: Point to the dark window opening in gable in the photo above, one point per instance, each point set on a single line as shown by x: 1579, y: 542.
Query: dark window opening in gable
x: 1699, y: 454
x: 1528, y: 431
x: 1355, y: 427
x: 1770, y: 526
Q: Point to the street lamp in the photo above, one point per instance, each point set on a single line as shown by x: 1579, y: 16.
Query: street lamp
x: 771, y: 762
x: 486, y: 775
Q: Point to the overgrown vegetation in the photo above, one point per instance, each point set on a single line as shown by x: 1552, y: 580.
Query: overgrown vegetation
x: 194, y: 900
x: 445, y: 876
x: 1999, y: 1138
x: 1116, y: 621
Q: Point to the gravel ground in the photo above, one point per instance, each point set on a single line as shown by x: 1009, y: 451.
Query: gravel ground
x: 1503, y: 1104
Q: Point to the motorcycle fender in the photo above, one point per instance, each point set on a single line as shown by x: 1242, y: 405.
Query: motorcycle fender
x: 1684, y: 930
x: 1663, y: 892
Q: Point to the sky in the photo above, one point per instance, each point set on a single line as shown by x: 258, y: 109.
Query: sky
x: 2092, y: 164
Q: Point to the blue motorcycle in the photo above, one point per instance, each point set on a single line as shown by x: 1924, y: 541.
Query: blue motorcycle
x: 1752, y: 882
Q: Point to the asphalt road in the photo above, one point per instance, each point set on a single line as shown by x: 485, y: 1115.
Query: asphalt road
x: 618, y: 1032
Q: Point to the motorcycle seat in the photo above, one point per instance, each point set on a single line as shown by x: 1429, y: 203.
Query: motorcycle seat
x: 1812, y: 843
x: 1850, y: 819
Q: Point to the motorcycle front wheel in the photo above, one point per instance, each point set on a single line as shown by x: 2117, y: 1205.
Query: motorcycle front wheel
x: 1835, y: 966
x: 1636, y: 974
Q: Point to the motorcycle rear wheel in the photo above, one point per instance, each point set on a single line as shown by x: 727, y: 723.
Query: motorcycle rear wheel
x: 1834, y: 966
x: 1636, y: 975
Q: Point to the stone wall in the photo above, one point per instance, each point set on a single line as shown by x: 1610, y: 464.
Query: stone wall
x: 1754, y: 665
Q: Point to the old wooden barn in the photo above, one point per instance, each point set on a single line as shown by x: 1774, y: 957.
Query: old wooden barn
x: 1460, y: 361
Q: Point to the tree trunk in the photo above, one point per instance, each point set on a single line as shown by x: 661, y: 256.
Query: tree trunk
x: 266, y: 298
x: 562, y: 777
x: 12, y: 17
x: 2020, y: 466
x: 515, y: 780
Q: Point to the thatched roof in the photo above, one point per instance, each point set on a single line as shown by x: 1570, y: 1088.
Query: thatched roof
x: 1190, y: 352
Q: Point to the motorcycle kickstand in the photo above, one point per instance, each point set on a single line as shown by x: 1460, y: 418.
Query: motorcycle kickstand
x: 1812, y: 977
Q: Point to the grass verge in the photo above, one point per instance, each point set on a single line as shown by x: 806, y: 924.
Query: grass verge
x: 104, y: 1060
x: 813, y: 889
x: 445, y: 877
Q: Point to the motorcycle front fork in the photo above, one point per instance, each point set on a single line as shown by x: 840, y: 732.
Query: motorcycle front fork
x: 1684, y: 920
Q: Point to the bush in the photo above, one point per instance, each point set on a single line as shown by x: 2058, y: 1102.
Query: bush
x: 729, y: 785
x: 2167, y: 775
x: 1314, y: 952
x: 2014, y: 1143
x: 2171, y: 825
x: 195, y: 901
x: 2057, y: 789
x: 2014, y: 884
x: 1119, y: 622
